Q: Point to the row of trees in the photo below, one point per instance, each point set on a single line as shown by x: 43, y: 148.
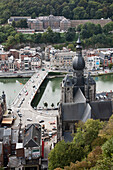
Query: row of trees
x: 92, y: 36
x: 52, y: 104
x: 91, y: 148
x: 72, y: 9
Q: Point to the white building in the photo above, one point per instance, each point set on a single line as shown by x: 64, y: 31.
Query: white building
x: 93, y: 63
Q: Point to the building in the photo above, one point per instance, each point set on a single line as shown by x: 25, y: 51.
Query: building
x: 78, y: 99
x: 17, y: 18
x: 59, y: 23
x: 62, y: 59
x: 106, y: 57
x: 21, y: 154
x: 92, y: 61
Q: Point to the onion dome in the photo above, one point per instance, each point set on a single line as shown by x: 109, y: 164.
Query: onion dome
x: 78, y: 60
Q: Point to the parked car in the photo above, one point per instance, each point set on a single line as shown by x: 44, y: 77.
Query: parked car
x: 20, y: 114
x: 29, y: 119
x: 54, y: 128
x: 41, y: 121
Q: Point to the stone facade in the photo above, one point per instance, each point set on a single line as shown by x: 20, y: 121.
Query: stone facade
x: 60, y: 23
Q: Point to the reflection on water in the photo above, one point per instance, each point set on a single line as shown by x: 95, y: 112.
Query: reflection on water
x: 104, y: 83
x: 50, y: 92
x: 11, y: 87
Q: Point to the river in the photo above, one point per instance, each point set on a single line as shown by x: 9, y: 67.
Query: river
x: 11, y: 87
x: 50, y: 90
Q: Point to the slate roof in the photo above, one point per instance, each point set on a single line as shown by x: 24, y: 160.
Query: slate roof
x: 67, y: 81
x: 89, y: 80
x: 32, y: 136
x: 101, y: 109
x: 79, y: 97
x: 15, y: 162
x: 87, y: 113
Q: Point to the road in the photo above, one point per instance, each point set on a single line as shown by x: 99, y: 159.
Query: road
x: 22, y: 103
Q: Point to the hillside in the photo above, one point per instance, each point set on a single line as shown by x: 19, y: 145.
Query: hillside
x: 72, y: 9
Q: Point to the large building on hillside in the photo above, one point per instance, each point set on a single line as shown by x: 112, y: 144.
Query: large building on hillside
x: 79, y: 100
x: 57, y: 23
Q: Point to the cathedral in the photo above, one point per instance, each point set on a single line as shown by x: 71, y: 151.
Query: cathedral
x: 79, y: 99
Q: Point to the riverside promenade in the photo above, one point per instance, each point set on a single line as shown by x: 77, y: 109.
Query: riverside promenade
x: 21, y: 105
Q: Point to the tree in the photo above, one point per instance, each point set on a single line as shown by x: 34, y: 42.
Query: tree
x: 108, y: 27
x: 110, y: 65
x: 33, y: 16
x: 63, y: 154
x: 87, y: 132
x: 52, y: 105
x: 13, y: 24
x: 107, y: 148
x: 22, y: 23
x: 107, y: 131
x: 46, y: 104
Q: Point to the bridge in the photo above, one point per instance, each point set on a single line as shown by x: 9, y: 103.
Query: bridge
x: 22, y: 103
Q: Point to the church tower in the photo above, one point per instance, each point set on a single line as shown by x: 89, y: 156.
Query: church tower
x: 67, y: 90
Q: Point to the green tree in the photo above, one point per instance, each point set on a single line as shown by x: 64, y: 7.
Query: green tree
x: 46, y: 104
x: 52, y: 105
x: 33, y: 16
x: 108, y: 27
x: 63, y: 154
x: 86, y: 133
x: 13, y: 24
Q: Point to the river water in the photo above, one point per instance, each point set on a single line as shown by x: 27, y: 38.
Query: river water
x: 50, y: 90
x: 11, y: 87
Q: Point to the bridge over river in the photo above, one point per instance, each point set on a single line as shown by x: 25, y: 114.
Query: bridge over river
x: 22, y: 103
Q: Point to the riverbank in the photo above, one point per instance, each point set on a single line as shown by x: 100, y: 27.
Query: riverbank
x: 28, y: 74
x: 101, y: 73
x: 19, y: 74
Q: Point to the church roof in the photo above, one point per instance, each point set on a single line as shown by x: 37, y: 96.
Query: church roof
x: 90, y: 80
x: 101, y: 109
x: 79, y: 97
x: 87, y: 113
x: 67, y: 81
x: 78, y: 60
x: 74, y: 111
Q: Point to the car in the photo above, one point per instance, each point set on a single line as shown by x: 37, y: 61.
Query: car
x: 23, y: 99
x: 54, y: 128
x: 29, y: 119
x: 19, y: 105
x: 41, y: 121
x: 26, y: 93
x: 20, y: 114
x: 50, y: 134
x: 14, y: 117
x: 18, y: 111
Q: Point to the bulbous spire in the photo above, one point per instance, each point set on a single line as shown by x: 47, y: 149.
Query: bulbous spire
x: 78, y: 61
